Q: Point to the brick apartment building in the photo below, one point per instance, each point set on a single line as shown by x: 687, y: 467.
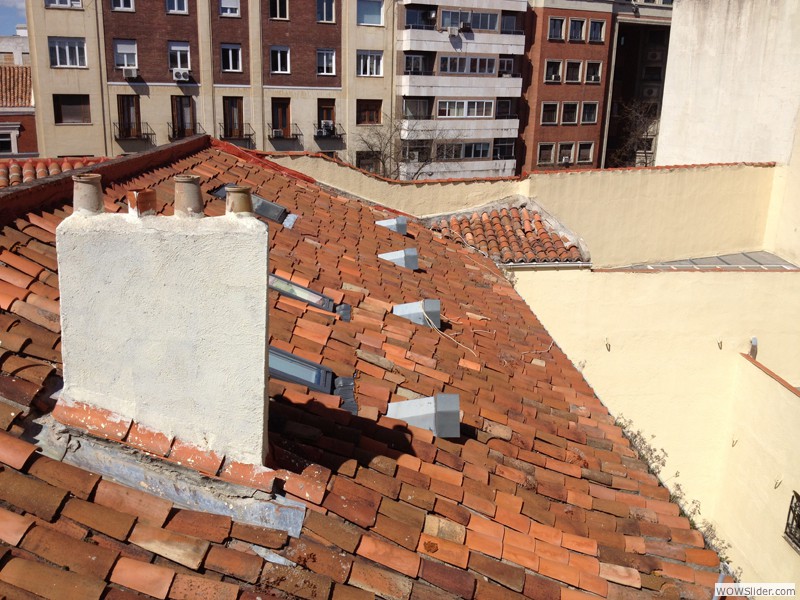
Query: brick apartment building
x: 17, y: 118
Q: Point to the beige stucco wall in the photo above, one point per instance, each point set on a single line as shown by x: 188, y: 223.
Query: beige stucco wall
x: 666, y: 372
x: 783, y: 225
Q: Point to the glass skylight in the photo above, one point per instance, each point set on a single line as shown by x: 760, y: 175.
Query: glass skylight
x: 293, y: 290
x: 288, y: 367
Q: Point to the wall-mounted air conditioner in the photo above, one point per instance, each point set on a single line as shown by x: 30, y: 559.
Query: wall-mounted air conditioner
x: 277, y: 133
x: 130, y: 73
x: 452, y: 31
x: 180, y: 74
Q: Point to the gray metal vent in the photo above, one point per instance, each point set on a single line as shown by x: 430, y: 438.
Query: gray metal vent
x: 407, y: 258
x: 398, y: 224
x: 439, y: 414
x: 422, y: 312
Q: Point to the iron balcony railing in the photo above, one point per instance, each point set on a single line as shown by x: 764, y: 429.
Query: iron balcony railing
x: 242, y: 132
x: 134, y: 131
x: 328, y: 129
x: 184, y: 131
x: 283, y: 133
x: 793, y: 521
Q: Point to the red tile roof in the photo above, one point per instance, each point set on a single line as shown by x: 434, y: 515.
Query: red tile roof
x: 15, y: 86
x: 13, y: 172
x: 541, y: 497
x: 510, y: 235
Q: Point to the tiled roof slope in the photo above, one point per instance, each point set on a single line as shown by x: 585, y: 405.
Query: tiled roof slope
x: 542, y: 496
x: 14, y: 172
x: 510, y: 235
x: 15, y: 86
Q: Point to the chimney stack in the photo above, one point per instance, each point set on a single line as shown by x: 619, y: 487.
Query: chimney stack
x: 164, y: 319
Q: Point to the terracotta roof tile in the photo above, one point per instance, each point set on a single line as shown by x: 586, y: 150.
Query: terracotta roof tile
x: 15, y: 86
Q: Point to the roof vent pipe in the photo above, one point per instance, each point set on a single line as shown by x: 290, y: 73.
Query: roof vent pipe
x: 407, y: 258
x: 398, y: 224
x: 422, y: 312
x: 141, y: 203
x: 238, y: 200
x: 188, y: 201
x: 87, y: 195
x: 439, y: 414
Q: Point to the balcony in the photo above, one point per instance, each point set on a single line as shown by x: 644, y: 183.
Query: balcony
x: 511, y: 5
x: 460, y: 85
x: 467, y: 128
x: 184, y: 131
x: 292, y: 132
x: 478, y: 42
x: 328, y: 130
x: 242, y: 135
x: 124, y: 132
x: 461, y: 168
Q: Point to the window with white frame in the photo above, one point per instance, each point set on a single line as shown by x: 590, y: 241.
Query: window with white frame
x: 124, y: 5
x: 326, y: 62
x: 231, y: 58
x: 414, y: 64
x: 545, y: 154
x: 483, y: 21
x: 449, y: 151
x: 62, y: 4
x: 565, y: 151
x: 597, y: 31
x: 71, y: 109
x: 178, y: 7
x: 125, y: 54
x: 576, y: 27
x: 461, y: 64
x: 369, y: 12
x: 465, y: 108
x: 179, y: 55
x: 585, y: 152
x: 7, y: 143
x: 369, y: 63
x: 279, y: 9
x: 589, y: 113
x: 555, y: 30
x: 325, y: 12
x: 67, y: 52
x: 593, y: 72
x: 549, y: 113
x: 229, y: 8
x: 569, y: 113
x: 505, y: 66
x: 454, y: 18
x: 573, y: 74
x: 476, y: 150
x: 279, y: 59
x: 552, y: 70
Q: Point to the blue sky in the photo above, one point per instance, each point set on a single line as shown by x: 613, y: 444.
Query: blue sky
x: 11, y: 13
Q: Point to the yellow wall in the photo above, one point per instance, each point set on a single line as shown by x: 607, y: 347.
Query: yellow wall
x: 666, y: 372
x: 783, y: 231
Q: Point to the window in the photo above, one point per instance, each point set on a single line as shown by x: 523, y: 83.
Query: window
x: 476, y: 150
x: 281, y: 120
x: 449, y: 151
x: 325, y: 11
x: 506, y: 66
x: 573, y: 71
x: 597, y: 31
x: 183, y: 123
x: 569, y: 113
x: 62, y: 4
x: 279, y: 9
x: 592, y: 72
x: 326, y: 62
x: 556, y: 28
x: 233, y: 117
x: 503, y: 148
x: 565, y: 153
x: 326, y: 115
x: 369, y: 63
x: 465, y: 108
x: 414, y: 64
x: 229, y: 8
x: 71, y: 108
x: 122, y: 5
x: 67, y: 52
x: 129, y: 126
x: 585, y: 152
x: 484, y: 21
x: 369, y: 161
x: 368, y: 112
x: 416, y: 151
x: 369, y: 12
x: 180, y: 7
x: 125, y: 54
x: 549, y: 113
x: 288, y: 367
x: 545, y: 154
x: 576, y: 30
x: 480, y: 108
x: 232, y: 58
x: 454, y: 18
x: 589, y: 114
x: 179, y: 55
x: 652, y: 73
x: 506, y: 108
x: 279, y: 59
x: 5, y: 143
x: 792, y: 530
x: 552, y: 70
x: 416, y: 108
x: 298, y: 292
x: 459, y: 64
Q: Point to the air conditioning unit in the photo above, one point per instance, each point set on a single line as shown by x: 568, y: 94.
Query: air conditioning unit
x: 277, y: 133
x: 130, y: 73
x: 554, y: 77
x: 452, y: 31
x: 565, y: 160
x: 180, y: 74
x: 431, y: 16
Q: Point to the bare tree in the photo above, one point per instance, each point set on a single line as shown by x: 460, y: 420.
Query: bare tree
x: 638, y: 127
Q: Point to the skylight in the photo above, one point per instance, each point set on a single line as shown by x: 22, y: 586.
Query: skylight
x: 265, y: 208
x: 288, y: 367
x: 294, y: 290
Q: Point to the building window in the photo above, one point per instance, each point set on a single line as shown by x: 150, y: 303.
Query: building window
x: 6, y: 147
x: 326, y: 62
x: 71, y: 108
x: 545, y: 154
x: 483, y: 21
x: 279, y: 9
x: 549, y: 113
x: 503, y: 148
x: 369, y: 12
x: 416, y: 108
x: 125, y: 54
x: 326, y: 117
x: 565, y: 153
x: 281, y: 117
x: 325, y: 11
x: 179, y: 55
x: 569, y: 113
x: 447, y: 151
x: 233, y: 117
x: 552, y: 70
x: 184, y: 123
x: 476, y: 150
x: 585, y: 152
x: 589, y: 114
x: 454, y: 18
x: 792, y: 530
x: 62, y: 4
x: 67, y: 52
x: 506, y: 108
x: 279, y: 60
x: 369, y: 63
x: 232, y: 58
x: 126, y: 5
x: 229, y: 8
x: 288, y: 367
x: 573, y: 71
x: 576, y: 30
x: 368, y: 112
x: 414, y: 64
x: 178, y: 7
x: 465, y: 108
x: 555, y: 30
x: 505, y: 66
x: 593, y: 72
x: 130, y: 125
x: 416, y: 151
x: 597, y: 31
x: 459, y: 64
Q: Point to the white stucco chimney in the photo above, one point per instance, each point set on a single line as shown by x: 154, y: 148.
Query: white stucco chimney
x: 164, y: 319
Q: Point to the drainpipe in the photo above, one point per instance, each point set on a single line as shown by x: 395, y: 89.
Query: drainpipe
x: 723, y: 570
